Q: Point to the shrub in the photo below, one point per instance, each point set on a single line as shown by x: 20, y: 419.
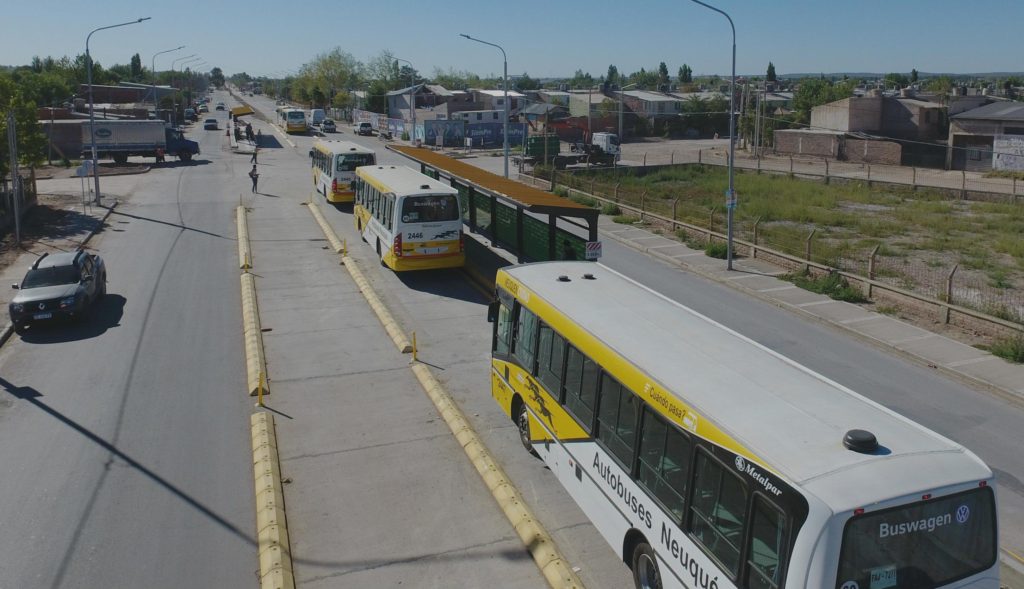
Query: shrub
x: 626, y: 219
x: 583, y: 200
x: 1011, y: 349
x: 831, y: 285
x: 717, y: 250
x: 562, y: 191
x: 611, y: 209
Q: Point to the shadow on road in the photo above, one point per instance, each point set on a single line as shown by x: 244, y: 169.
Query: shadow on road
x: 180, y: 164
x: 168, y: 223
x: 105, y: 314
x: 449, y: 283
x: 268, y: 141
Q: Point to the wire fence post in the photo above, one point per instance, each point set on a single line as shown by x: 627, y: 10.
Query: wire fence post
x: 963, y: 184
x: 758, y: 163
x: 826, y: 170
x: 869, y: 175
x: 643, y: 204
x: 617, y: 184
x: 757, y: 227
x: 700, y: 154
x: 871, y: 268
x: 807, y: 247
x: 645, y: 159
x: 949, y: 294
x: 711, y: 223
x: 790, y: 165
x: 913, y: 180
x: 672, y: 158
x: 675, y: 203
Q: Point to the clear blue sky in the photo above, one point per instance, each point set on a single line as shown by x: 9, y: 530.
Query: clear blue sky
x: 544, y: 38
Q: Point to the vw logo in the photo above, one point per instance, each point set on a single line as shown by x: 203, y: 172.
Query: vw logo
x: 962, y: 513
x: 740, y: 463
x: 42, y: 306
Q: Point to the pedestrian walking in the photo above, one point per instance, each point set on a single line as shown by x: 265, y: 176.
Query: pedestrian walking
x: 259, y: 137
x: 255, y: 178
x: 255, y: 150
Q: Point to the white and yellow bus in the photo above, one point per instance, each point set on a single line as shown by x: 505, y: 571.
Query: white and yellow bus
x: 334, y: 167
x: 412, y: 220
x: 292, y: 120
x: 707, y: 460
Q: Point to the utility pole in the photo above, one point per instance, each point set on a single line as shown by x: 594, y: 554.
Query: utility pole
x: 12, y: 144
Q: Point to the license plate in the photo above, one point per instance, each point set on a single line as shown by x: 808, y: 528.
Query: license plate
x: 42, y: 316
x: 431, y: 250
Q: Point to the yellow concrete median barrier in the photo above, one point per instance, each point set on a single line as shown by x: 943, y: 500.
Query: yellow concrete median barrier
x: 271, y: 524
x: 255, y: 360
x: 390, y: 325
x: 244, y: 252
x: 332, y: 237
x: 538, y: 542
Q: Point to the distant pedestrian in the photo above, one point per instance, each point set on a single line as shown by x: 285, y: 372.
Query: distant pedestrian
x: 255, y: 178
x: 259, y: 137
x: 568, y: 252
x: 255, y: 150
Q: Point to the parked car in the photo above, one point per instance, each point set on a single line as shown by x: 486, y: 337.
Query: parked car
x: 58, y: 286
x: 210, y: 124
x: 328, y: 126
x: 362, y: 129
x: 191, y: 114
x: 204, y: 108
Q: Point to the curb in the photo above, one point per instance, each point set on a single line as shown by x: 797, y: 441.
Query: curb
x: 538, y: 542
x: 996, y: 390
x: 255, y: 360
x: 332, y: 237
x: 8, y: 329
x: 271, y: 524
x: 553, y: 566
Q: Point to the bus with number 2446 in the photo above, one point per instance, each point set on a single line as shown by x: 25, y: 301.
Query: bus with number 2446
x: 412, y: 220
x: 707, y: 460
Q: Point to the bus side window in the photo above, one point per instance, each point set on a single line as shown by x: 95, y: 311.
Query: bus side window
x: 503, y: 330
x: 767, y: 546
x: 664, y: 462
x: 581, y: 378
x: 550, y: 352
x: 524, y: 338
x: 616, y: 420
x: 718, y: 511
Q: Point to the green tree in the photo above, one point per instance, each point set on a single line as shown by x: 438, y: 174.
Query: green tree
x: 613, y: 75
x: 913, y: 76
x: 770, y: 76
x: 685, y: 74
x: 136, y: 68
x: 898, y: 80
x: 376, y: 96
x: 662, y: 74
x: 525, y: 82
x: 608, y: 108
x: 581, y: 80
x: 217, y: 77
x: 814, y: 92
x: 455, y: 80
x: 31, y: 140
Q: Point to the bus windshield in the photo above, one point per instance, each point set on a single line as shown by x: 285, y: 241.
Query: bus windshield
x: 925, y: 544
x: 296, y: 115
x: 430, y: 209
x: 349, y: 162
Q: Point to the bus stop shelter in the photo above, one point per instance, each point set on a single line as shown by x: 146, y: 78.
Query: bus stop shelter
x: 520, y: 218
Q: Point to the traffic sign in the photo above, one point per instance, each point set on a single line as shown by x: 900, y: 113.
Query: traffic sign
x: 593, y: 250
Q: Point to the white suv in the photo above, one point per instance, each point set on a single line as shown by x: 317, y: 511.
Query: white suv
x: 362, y: 129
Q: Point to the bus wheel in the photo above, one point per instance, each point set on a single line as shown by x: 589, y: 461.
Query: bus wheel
x: 523, y: 425
x: 645, y: 567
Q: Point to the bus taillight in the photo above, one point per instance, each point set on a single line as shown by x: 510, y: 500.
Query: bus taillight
x: 334, y: 185
x: 397, y: 249
x: 462, y: 241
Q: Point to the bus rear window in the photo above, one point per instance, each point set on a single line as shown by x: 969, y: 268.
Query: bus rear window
x: 925, y: 544
x: 430, y: 209
x: 349, y: 162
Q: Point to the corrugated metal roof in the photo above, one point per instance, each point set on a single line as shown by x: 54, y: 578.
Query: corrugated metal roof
x: 501, y: 93
x: 650, y: 96
x: 524, y: 195
x: 997, y: 111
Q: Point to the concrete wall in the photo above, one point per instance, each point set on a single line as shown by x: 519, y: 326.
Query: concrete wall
x: 872, y: 152
x: 907, y: 120
x: 804, y: 143
x: 862, y: 113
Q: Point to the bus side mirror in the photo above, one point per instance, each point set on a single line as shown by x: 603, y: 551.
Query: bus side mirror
x: 492, y: 311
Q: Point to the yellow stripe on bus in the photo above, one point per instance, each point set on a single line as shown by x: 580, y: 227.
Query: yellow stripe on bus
x: 652, y: 393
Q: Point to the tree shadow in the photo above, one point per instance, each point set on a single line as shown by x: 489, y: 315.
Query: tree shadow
x: 44, y: 221
x: 104, y: 315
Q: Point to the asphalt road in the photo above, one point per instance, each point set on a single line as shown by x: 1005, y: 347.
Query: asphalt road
x: 124, y: 440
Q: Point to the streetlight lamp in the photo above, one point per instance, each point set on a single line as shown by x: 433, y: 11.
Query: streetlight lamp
x: 505, y: 60
x: 412, y: 98
x: 174, y: 94
x: 152, y: 69
x: 730, y: 195
x: 92, y: 118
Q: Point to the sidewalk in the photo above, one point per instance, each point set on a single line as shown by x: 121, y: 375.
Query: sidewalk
x: 760, y: 280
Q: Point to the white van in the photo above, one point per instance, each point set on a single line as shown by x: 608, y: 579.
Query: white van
x: 316, y: 116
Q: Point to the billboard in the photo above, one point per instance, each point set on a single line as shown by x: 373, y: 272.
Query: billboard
x: 490, y: 134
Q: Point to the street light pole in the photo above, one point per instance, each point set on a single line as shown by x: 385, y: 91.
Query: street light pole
x: 621, y: 108
x: 505, y: 75
x: 92, y: 117
x: 174, y: 94
x: 412, y: 98
x: 152, y: 69
x: 730, y: 196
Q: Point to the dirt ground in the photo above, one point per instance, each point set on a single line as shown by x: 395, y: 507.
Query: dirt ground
x: 56, y: 219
